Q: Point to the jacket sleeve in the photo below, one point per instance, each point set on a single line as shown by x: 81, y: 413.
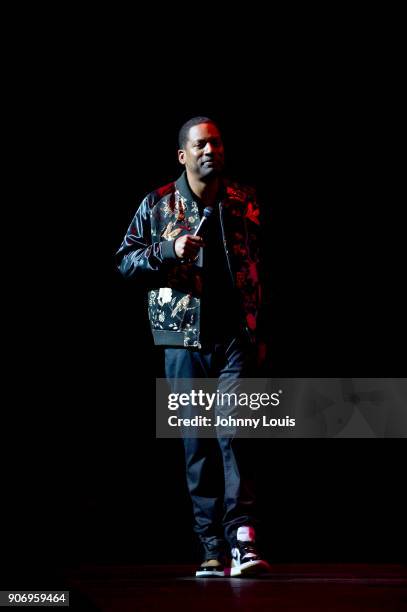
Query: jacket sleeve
x: 264, y: 313
x: 141, y: 258
x: 258, y: 240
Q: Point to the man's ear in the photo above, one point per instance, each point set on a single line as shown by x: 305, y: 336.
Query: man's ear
x: 181, y: 156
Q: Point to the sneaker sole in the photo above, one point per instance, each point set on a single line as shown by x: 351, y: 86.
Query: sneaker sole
x: 250, y: 568
x: 211, y: 574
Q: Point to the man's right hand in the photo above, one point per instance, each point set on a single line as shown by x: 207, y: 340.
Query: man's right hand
x: 187, y: 246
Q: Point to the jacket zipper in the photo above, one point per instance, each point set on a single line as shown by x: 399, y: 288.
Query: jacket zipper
x: 225, y: 245
x: 245, y: 326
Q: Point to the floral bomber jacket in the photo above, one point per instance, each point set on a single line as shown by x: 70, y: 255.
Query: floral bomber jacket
x: 174, y: 288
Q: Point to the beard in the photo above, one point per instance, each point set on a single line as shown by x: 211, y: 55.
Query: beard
x: 207, y: 173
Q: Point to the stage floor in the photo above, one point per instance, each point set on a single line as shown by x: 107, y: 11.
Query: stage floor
x: 329, y: 587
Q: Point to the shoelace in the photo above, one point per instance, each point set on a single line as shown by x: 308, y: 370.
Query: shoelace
x: 246, y: 548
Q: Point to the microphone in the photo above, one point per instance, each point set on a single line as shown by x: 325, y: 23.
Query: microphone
x: 201, y: 229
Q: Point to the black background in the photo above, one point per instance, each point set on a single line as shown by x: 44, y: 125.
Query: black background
x: 85, y: 478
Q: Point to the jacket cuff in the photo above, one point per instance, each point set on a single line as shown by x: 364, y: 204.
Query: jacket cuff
x: 167, y: 250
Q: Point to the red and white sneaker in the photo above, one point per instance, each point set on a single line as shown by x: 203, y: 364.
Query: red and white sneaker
x: 245, y: 559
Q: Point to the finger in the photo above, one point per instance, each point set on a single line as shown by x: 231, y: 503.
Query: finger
x: 191, y: 254
x: 194, y: 239
x: 192, y: 246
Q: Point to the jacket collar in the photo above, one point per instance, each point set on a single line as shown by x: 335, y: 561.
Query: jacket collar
x: 184, y: 189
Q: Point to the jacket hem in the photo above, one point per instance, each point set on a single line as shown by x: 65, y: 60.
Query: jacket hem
x: 169, y: 338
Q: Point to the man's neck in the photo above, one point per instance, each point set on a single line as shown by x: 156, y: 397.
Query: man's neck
x: 206, y: 192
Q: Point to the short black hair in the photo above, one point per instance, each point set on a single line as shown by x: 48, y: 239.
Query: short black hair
x: 184, y: 131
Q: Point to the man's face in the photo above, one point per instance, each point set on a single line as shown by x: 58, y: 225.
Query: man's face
x: 203, y: 155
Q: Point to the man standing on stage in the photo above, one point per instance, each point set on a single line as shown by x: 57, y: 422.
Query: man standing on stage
x: 204, y: 298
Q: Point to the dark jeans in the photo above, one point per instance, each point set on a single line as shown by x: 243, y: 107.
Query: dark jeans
x: 218, y: 471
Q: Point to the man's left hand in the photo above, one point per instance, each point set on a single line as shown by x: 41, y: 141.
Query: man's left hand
x: 261, y: 353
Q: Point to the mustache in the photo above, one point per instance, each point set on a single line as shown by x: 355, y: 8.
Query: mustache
x: 212, y: 158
